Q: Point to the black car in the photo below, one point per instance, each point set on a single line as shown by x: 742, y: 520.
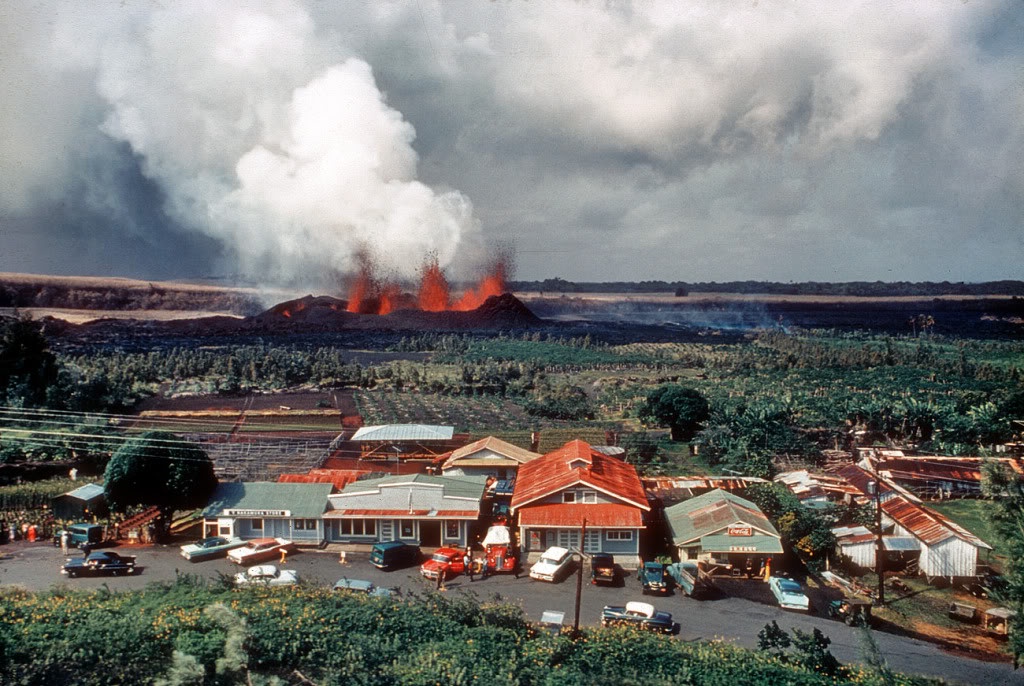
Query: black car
x: 640, y: 615
x: 100, y: 563
x: 602, y: 569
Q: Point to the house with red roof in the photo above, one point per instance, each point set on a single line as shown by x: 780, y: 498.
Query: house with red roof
x: 557, y: 492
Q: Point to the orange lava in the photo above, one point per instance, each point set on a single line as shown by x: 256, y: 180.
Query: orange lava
x: 370, y: 294
x: 434, y: 294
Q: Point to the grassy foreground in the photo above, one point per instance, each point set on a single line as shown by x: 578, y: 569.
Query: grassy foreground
x: 191, y: 632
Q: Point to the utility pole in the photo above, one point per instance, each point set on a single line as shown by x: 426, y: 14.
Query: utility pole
x: 579, y: 581
x: 875, y: 490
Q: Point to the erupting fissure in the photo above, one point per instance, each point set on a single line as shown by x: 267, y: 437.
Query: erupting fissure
x: 370, y: 294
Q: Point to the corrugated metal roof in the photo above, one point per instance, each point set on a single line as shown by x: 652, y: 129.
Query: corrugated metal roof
x: 709, y: 513
x: 926, y: 524
x: 302, y: 500
x: 404, y: 432
x: 722, y: 543
x: 571, y: 515
x: 573, y: 463
x: 900, y: 543
x: 86, y: 492
x: 416, y: 492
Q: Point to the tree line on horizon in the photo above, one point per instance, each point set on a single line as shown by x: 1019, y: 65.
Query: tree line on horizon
x: 825, y: 288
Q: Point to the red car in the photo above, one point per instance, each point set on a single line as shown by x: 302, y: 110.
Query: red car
x: 446, y: 561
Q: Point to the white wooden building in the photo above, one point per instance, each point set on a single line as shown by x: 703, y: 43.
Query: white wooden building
x: 947, y: 549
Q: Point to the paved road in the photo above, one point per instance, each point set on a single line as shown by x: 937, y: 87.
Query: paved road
x: 37, y: 567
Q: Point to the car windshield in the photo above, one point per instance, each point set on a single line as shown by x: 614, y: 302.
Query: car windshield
x: 550, y: 560
x: 789, y: 587
x: 438, y: 557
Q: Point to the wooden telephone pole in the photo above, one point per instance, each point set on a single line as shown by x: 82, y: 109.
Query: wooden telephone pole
x: 579, y: 581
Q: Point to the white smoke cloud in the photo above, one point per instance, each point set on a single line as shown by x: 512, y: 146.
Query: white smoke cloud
x: 263, y: 135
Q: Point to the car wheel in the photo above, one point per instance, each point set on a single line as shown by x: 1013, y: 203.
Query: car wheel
x: 115, y: 572
x: 72, y: 575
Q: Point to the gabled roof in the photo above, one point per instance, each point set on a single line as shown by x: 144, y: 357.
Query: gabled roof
x: 468, y: 455
x: 926, y: 524
x: 712, y: 512
x: 86, y: 492
x: 576, y: 463
x: 415, y: 494
x: 404, y: 432
x: 301, y: 500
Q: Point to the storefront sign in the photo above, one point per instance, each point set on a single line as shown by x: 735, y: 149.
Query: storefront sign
x: 741, y: 531
x: 257, y: 513
x: 743, y: 549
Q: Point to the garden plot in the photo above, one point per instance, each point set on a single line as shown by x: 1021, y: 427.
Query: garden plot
x: 465, y: 414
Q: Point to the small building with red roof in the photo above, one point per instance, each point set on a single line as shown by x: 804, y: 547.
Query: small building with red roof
x: 555, y: 493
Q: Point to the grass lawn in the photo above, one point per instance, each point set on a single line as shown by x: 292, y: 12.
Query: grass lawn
x: 973, y: 516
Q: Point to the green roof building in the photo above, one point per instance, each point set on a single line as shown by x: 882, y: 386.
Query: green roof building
x: 726, y: 528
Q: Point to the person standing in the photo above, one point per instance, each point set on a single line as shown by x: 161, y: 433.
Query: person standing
x: 440, y: 579
x: 467, y: 562
x: 64, y: 542
x: 284, y: 555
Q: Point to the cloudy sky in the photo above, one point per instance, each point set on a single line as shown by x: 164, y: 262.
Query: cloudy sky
x: 270, y: 141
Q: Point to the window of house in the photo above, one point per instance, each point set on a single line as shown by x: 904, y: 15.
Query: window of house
x: 624, y: 535
x: 299, y: 524
x: 309, y: 524
x: 256, y: 524
x: 569, y: 497
x: 451, y: 529
x: 407, y: 528
x: 358, y: 527
x: 588, y: 497
x: 224, y: 531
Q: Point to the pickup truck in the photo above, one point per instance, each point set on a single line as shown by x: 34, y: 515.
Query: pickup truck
x: 445, y: 561
x: 602, y: 569
x: 100, y: 563
x: 641, y: 615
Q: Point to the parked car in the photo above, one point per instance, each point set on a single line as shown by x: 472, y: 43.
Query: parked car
x: 266, y: 575
x: 394, y: 555
x: 654, y: 579
x: 602, y: 569
x: 789, y: 594
x: 445, y: 561
x: 641, y: 615
x: 553, y: 565
x: 104, y: 562
x: 259, y: 550
x: 210, y: 548
x: 362, y: 586
x: 81, y: 534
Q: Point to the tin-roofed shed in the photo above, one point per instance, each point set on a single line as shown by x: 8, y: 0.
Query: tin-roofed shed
x: 84, y: 502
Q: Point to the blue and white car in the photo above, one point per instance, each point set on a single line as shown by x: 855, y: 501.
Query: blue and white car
x: 210, y: 548
x: 789, y: 594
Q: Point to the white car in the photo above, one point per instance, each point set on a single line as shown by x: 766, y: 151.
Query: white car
x: 266, y: 575
x: 259, y: 550
x: 552, y: 565
x: 789, y: 594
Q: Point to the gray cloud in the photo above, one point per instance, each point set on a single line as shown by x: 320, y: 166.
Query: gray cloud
x: 606, y: 140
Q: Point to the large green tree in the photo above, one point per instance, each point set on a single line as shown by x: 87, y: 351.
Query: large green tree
x: 677, y: 407
x: 27, y: 367
x: 159, y: 469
